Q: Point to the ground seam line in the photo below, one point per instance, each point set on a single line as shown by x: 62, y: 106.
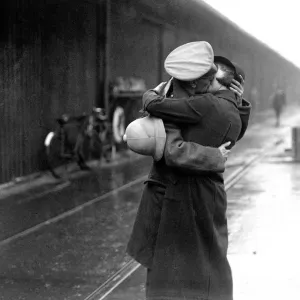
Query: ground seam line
x: 229, y: 182
x: 71, y: 211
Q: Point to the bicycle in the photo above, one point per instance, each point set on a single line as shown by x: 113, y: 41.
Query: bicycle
x: 79, y: 139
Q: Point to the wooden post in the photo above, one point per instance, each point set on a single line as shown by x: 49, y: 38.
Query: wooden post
x: 107, y: 52
x: 160, y: 53
x: 296, y: 143
x: 102, y: 53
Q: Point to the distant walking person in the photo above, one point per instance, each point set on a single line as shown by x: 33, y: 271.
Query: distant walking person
x: 278, y: 102
x: 254, y: 100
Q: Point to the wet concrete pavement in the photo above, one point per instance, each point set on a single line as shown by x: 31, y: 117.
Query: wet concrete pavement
x: 264, y: 251
x: 68, y: 257
x: 264, y: 227
x: 26, y: 209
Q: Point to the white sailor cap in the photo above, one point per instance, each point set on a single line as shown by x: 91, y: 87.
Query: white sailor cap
x: 190, y: 61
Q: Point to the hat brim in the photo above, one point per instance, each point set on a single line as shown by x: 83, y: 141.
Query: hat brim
x: 225, y: 61
x: 237, y: 70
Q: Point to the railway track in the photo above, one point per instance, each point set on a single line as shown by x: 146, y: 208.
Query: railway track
x: 130, y: 267
x: 71, y: 212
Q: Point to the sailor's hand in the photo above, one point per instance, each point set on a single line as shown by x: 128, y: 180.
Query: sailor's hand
x: 237, y: 88
x: 160, y: 88
x: 225, y: 152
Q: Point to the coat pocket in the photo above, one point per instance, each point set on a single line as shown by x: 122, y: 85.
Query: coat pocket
x: 175, y: 192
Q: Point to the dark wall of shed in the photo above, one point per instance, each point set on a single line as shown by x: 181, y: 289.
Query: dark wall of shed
x: 48, y: 67
x: 52, y: 61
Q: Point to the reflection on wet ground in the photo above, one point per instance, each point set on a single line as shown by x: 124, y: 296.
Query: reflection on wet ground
x: 15, y: 218
x: 80, y: 250
x: 263, y: 223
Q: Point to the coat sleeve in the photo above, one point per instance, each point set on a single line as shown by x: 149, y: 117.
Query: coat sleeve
x: 244, y: 109
x: 182, y: 110
x: 191, y: 157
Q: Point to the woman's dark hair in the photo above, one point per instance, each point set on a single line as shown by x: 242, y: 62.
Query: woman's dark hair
x: 229, y: 73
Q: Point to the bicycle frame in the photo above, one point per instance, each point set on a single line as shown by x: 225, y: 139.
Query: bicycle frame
x: 82, y: 139
x: 62, y: 134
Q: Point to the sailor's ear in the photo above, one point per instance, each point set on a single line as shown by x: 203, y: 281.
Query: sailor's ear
x: 193, y: 84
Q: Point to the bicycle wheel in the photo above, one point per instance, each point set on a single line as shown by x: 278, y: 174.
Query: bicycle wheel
x: 118, y: 124
x: 57, y: 164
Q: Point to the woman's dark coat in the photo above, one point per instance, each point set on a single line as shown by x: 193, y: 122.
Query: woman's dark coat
x: 180, y: 233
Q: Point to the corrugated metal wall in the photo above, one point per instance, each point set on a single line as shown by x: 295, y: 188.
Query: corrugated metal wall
x: 20, y: 73
x: 47, y: 67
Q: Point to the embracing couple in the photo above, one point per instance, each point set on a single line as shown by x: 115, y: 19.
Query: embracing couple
x: 180, y: 233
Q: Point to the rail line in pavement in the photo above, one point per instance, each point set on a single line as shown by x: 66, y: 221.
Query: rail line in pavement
x: 72, y: 211
x: 101, y: 198
x: 84, y: 205
x: 130, y: 267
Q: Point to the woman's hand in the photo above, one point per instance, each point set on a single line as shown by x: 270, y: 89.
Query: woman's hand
x: 238, y: 88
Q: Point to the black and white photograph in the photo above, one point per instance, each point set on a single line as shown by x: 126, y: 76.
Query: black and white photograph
x: 149, y: 150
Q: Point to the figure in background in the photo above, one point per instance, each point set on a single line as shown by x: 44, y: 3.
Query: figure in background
x: 254, y: 100
x: 278, y: 101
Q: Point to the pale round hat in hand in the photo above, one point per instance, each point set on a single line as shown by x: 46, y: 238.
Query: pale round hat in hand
x: 146, y: 136
x: 190, y: 61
